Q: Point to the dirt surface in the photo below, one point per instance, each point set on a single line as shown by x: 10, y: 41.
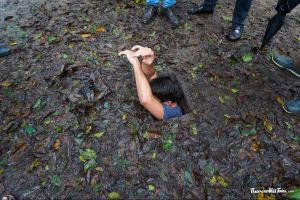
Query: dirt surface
x: 56, y: 145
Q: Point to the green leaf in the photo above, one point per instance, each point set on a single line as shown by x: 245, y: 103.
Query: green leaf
x: 51, y: 38
x: 106, y: 105
x: 298, y: 39
x: 113, y: 195
x: 247, y: 57
x: 29, y: 130
x: 64, y: 56
x: 194, y: 129
x: 22, y: 34
x: 227, y: 18
x: 233, y: 90
x: 295, y: 194
x: 88, y: 154
x: 151, y: 187
x: 58, y: 129
x: 55, y: 180
x: 37, y: 104
x: 248, y: 132
x: 188, y: 178
x: 209, y: 169
x: 89, y: 165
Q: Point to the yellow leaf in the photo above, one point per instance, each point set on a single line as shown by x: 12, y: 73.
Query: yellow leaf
x: 153, y: 155
x: 227, y: 116
x: 1, y: 171
x: 85, y: 35
x: 99, y: 169
x: 213, y: 180
x: 13, y: 43
x: 100, y: 29
x: 233, y: 90
x: 88, y: 129
x: 267, y: 124
x: 125, y: 117
x: 56, y: 145
x: 35, y: 164
x: 279, y: 100
x: 221, y: 99
x: 222, y: 181
x: 6, y: 83
x: 99, y: 134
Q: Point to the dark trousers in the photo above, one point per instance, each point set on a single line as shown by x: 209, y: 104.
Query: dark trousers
x: 240, y: 11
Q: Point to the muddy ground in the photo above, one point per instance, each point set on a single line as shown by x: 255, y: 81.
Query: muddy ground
x: 56, y: 145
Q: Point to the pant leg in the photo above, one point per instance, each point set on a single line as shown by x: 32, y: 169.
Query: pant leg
x: 240, y: 12
x: 169, y: 3
x: 152, y: 2
x: 210, y: 4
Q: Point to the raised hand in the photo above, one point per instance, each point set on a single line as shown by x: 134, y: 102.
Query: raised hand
x: 131, y: 57
x: 146, y: 53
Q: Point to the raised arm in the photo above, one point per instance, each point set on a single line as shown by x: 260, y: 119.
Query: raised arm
x: 145, y: 95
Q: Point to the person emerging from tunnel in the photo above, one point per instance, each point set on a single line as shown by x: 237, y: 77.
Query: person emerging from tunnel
x: 158, y: 94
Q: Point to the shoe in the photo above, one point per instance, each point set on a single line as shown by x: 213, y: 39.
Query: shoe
x: 292, y: 106
x: 286, y: 63
x: 200, y: 9
x: 235, y: 33
x: 171, y: 16
x: 4, y: 51
x: 149, y: 14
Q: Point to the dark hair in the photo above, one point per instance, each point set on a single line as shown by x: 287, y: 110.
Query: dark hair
x: 167, y: 88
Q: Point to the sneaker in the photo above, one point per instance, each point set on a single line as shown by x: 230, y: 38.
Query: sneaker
x: 286, y: 63
x: 292, y: 106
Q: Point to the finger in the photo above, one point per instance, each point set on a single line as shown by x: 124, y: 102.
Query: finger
x: 137, y: 47
x: 138, y: 54
x: 121, y: 53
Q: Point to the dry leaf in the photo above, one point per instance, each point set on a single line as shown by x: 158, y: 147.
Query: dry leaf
x: 6, y: 83
x: 255, y: 146
x: 56, y: 145
x: 100, y: 29
x: 85, y: 35
x: 267, y: 124
x: 279, y: 100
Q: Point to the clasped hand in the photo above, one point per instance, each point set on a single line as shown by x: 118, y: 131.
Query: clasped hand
x: 137, y: 51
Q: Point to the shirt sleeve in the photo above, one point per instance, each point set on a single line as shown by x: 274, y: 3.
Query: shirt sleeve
x: 171, y: 112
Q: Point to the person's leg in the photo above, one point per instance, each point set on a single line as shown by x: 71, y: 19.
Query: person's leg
x: 210, y: 4
x: 240, y: 13
x: 167, y: 11
x: 152, y: 2
x: 206, y: 8
x: 169, y: 3
x: 151, y: 11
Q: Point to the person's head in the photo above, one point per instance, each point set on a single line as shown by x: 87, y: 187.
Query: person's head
x: 167, y: 88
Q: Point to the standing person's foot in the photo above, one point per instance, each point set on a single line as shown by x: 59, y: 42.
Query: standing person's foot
x: 200, y: 9
x: 149, y: 14
x: 235, y: 33
x: 286, y: 63
x: 4, y: 51
x: 292, y: 106
x: 171, y: 16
